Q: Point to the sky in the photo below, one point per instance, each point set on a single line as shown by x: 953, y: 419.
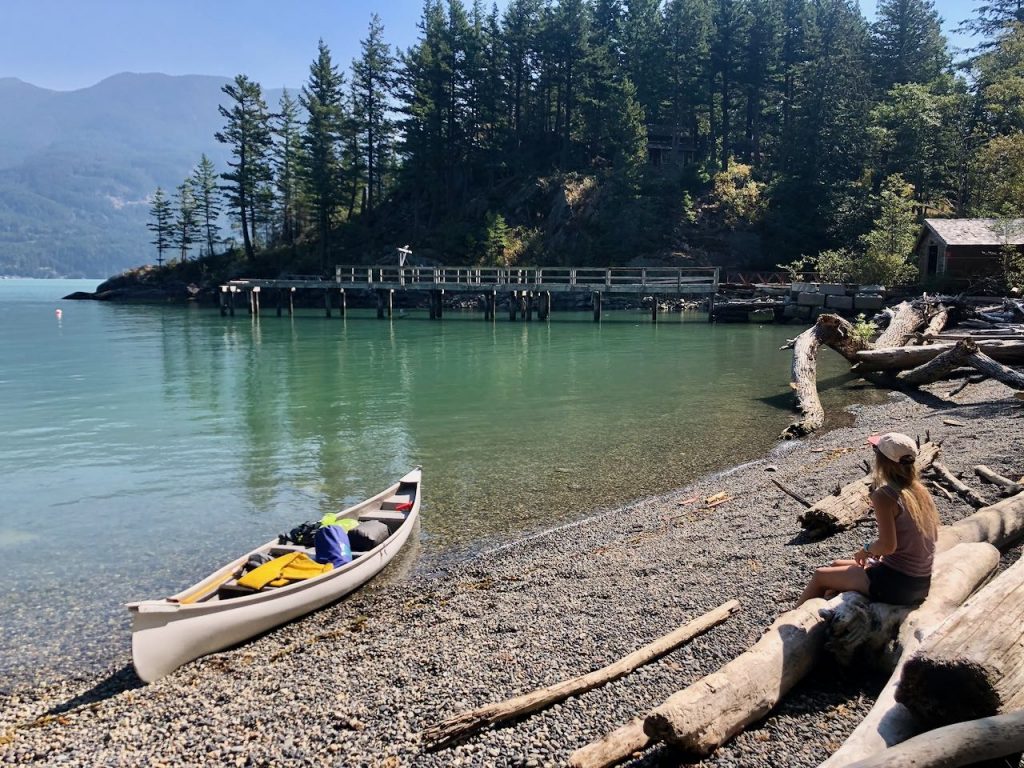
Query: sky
x: 70, y: 44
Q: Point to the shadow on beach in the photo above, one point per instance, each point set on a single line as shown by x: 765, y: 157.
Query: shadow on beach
x: 120, y: 681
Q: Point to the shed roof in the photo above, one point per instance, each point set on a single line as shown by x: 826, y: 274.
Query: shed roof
x: 977, y: 231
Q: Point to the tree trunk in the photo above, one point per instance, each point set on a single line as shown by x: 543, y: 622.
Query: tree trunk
x: 965, y: 743
x: 1000, y: 525
x: 845, y: 508
x: 805, y: 384
x: 958, y: 572
x: 936, y: 324
x: 994, y: 370
x: 903, y: 358
x: 974, y: 665
x: 704, y: 715
x: 904, y: 323
x: 460, y: 725
x: 942, y: 365
x: 1009, y: 486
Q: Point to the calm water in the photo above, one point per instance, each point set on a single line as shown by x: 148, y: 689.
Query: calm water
x: 140, y: 446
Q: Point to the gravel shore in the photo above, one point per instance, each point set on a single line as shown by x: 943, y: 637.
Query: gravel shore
x: 356, y: 683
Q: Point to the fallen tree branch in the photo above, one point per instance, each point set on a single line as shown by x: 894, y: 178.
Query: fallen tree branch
x: 965, y: 743
x: 905, y: 321
x: 1000, y: 524
x: 992, y: 369
x: 967, y: 494
x: 612, y: 749
x: 1009, y: 486
x: 940, y: 366
x: 459, y: 726
x: 791, y: 493
x: 905, y: 358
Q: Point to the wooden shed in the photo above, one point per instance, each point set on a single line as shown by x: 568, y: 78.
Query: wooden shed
x: 966, y: 248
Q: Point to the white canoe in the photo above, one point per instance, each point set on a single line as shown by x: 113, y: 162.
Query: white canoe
x: 202, y: 619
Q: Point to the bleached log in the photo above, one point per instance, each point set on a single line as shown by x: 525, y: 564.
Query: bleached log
x: 905, y: 358
x: 957, y: 573
x: 940, y: 366
x: 843, y: 510
x: 612, y: 749
x: 936, y: 323
x: 457, y: 727
x: 995, y: 370
x: 704, y: 715
x: 965, y: 743
x: 973, y: 666
x: 989, y: 476
x: 999, y: 524
x: 965, y: 492
x: 804, y: 381
x: 906, y: 320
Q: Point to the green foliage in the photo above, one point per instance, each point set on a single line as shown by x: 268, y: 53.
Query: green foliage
x: 738, y: 198
x: 889, y: 246
x: 160, y: 223
x: 496, y: 241
x: 863, y: 329
x: 837, y: 266
x: 999, y: 175
x: 207, y: 196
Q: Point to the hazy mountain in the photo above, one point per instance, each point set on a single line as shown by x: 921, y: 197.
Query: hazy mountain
x: 77, y: 167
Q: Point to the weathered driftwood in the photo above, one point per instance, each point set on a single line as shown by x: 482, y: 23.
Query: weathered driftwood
x: 936, y: 323
x: 965, y: 743
x: 1000, y: 525
x: 905, y: 358
x: 457, y: 727
x: 791, y: 493
x: 704, y: 715
x: 957, y: 573
x: 906, y: 320
x: 972, y: 666
x: 804, y: 377
x: 844, y: 509
x: 1010, y: 487
x: 995, y: 370
x: 940, y: 366
x: 965, y: 492
x: 612, y: 749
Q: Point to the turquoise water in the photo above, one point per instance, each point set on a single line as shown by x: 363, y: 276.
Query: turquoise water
x: 142, y: 445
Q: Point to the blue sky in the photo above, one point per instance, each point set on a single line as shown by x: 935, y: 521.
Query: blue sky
x: 69, y: 44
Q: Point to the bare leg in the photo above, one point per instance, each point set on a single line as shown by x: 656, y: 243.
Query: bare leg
x: 836, y: 578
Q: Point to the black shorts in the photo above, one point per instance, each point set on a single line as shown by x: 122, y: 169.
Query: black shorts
x: 891, y: 586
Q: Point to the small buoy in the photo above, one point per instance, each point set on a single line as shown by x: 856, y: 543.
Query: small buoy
x: 60, y: 314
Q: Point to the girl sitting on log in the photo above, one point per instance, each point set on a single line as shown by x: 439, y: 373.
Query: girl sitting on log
x: 897, y: 566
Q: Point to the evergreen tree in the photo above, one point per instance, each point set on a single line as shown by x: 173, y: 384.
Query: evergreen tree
x: 160, y: 224
x: 287, y: 155
x: 907, y: 41
x: 521, y: 26
x: 760, y: 73
x: 890, y: 244
x: 730, y: 28
x: 994, y: 20
x: 687, y: 29
x: 373, y: 82
x: 999, y: 79
x: 247, y: 132
x: 321, y: 97
x: 186, y: 219
x: 641, y: 38
x: 204, y: 185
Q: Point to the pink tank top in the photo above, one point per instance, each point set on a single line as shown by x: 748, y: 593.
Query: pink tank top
x: 915, y: 551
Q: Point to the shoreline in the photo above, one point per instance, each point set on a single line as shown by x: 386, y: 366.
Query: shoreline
x: 358, y: 681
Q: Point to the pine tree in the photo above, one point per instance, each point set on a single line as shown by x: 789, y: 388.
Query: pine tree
x: 160, y: 224
x: 287, y: 152
x: 321, y: 165
x: 204, y: 185
x: 889, y: 245
x: 641, y: 37
x: 730, y: 28
x: 760, y: 73
x: 247, y: 132
x: 186, y: 219
x: 521, y: 27
x: 907, y: 41
x: 687, y: 31
x: 373, y: 83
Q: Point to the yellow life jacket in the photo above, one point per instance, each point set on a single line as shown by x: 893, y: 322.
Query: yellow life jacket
x: 295, y: 566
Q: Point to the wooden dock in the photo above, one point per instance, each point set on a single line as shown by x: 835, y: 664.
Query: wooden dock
x: 525, y: 290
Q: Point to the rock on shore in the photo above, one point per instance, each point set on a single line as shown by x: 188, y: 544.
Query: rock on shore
x: 354, y: 684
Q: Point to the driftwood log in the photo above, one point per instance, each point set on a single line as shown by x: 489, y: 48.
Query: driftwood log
x: 957, y: 573
x: 612, y: 749
x: 989, y: 476
x: 965, y: 743
x: 973, y: 666
x: 906, y: 320
x: 965, y: 492
x: 1000, y: 525
x: 940, y: 366
x: 905, y: 358
x: 993, y: 369
x: 459, y: 726
x: 936, y: 323
x: 704, y: 715
x: 844, y: 509
x: 804, y: 376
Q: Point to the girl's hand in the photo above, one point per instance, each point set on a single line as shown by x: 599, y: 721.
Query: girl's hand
x: 862, y: 557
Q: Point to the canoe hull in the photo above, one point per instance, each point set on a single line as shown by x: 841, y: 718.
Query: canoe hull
x: 167, y: 634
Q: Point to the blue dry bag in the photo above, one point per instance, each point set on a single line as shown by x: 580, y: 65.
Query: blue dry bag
x: 332, y: 546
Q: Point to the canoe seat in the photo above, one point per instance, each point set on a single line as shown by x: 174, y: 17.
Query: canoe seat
x: 389, y: 517
x: 402, y: 500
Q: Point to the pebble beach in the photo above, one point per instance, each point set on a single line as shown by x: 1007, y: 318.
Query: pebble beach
x: 356, y: 683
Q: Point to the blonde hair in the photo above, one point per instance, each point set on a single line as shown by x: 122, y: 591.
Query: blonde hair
x: 915, y: 497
